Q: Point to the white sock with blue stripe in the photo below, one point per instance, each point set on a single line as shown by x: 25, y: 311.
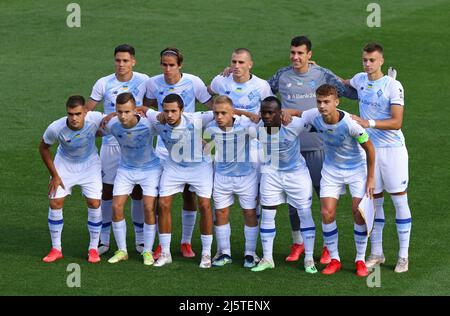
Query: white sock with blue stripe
x: 188, y: 222
x: 137, y: 215
x: 251, y: 238
x: 149, y: 236
x: 120, y: 234
x: 308, y: 231
x: 360, y: 233
x: 403, y: 221
x: 106, y: 221
x: 330, y: 236
x: 376, y: 238
x: 223, y: 233
x: 94, y: 226
x: 268, y: 232
x: 55, y: 226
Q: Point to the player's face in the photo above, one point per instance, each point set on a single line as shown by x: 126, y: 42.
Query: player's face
x: 172, y: 113
x: 75, y: 117
x: 126, y: 113
x: 271, y: 115
x: 300, y: 57
x: 223, y: 114
x: 169, y: 66
x: 372, y: 62
x: 241, y: 65
x: 124, y: 63
x: 327, y: 104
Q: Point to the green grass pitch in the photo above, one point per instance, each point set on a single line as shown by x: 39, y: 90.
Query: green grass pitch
x: 42, y: 62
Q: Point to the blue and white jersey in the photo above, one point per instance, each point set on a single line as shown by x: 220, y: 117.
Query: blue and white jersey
x: 136, y: 144
x: 189, y: 88
x: 298, y: 91
x: 246, y: 96
x: 75, y: 146
x: 375, y: 101
x: 282, y: 147
x: 107, y: 89
x: 342, y: 150
x: 184, y: 142
x: 232, y: 147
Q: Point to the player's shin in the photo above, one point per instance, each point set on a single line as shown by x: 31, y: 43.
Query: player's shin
x: 94, y: 226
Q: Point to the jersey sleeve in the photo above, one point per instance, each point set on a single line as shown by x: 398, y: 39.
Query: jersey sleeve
x: 309, y: 115
x: 298, y: 125
x: 98, y: 91
x: 357, y: 131
x: 355, y: 81
x: 51, y: 133
x: 152, y: 116
x: 207, y: 117
x: 343, y: 89
x: 396, y: 93
x: 201, y: 91
x: 96, y: 117
x: 150, y: 89
x: 266, y: 91
x: 216, y: 85
x: 275, y: 79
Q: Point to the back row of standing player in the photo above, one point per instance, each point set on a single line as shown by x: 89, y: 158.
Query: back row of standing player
x: 381, y: 108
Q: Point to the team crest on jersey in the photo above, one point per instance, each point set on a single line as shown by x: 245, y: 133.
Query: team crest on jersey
x: 253, y: 95
x: 312, y: 84
x: 379, y: 93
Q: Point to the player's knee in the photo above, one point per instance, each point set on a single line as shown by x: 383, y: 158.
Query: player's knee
x: 204, y: 205
x: 93, y: 203
x: 56, y: 204
x: 327, y: 214
x: 164, y: 205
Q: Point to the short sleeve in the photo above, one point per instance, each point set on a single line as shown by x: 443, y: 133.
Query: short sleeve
x: 150, y: 89
x: 51, y: 134
x: 207, y: 117
x: 266, y: 91
x: 396, y: 93
x: 356, y: 130
x: 98, y: 91
x: 216, y: 85
x: 96, y: 117
x: 354, y: 82
x: 309, y: 115
x: 152, y: 116
x: 298, y: 125
x: 200, y: 90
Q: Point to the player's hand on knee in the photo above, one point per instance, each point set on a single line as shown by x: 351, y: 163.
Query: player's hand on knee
x: 53, y: 185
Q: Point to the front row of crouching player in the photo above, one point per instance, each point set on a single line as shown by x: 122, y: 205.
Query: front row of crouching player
x: 248, y: 155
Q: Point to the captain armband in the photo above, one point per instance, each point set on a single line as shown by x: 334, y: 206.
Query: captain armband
x: 364, y: 137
